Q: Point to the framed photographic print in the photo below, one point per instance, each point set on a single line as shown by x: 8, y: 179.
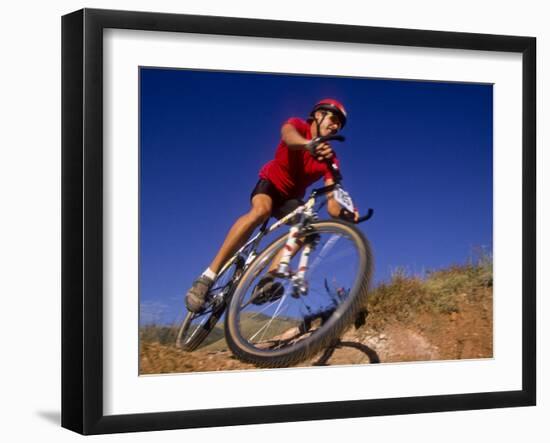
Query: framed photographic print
x: 269, y: 221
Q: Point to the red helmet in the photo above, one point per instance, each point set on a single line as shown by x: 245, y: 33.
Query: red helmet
x: 329, y: 104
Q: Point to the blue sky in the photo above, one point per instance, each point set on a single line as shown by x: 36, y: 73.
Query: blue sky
x: 419, y: 153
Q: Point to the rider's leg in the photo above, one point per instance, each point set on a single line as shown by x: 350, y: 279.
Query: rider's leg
x: 275, y: 263
x: 268, y: 289
x: 236, y: 237
x: 242, y: 229
x: 285, y: 208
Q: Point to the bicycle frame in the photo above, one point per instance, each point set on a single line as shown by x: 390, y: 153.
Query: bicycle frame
x: 304, y: 212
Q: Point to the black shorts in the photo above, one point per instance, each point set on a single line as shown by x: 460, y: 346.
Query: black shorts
x: 281, y: 205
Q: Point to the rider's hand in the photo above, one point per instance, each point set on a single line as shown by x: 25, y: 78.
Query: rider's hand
x: 349, y: 216
x: 323, y: 151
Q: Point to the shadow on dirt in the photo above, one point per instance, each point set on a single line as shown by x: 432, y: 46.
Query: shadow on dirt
x: 369, y: 352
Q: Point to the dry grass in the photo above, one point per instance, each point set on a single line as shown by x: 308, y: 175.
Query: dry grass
x: 406, y: 296
x: 152, y: 333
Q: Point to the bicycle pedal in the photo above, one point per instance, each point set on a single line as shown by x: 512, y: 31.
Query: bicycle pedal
x: 270, y: 294
x: 298, y: 292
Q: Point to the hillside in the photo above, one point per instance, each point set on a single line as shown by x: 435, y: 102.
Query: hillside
x: 445, y: 316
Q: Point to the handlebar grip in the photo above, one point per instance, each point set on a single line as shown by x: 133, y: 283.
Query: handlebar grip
x: 332, y: 166
x: 313, y: 143
x: 368, y: 215
x: 335, y: 137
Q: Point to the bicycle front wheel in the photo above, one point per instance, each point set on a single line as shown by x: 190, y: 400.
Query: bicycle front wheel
x: 296, y: 321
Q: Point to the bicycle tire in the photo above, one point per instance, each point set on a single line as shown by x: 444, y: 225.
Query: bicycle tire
x: 326, y: 335
x: 200, y: 333
x: 188, y: 339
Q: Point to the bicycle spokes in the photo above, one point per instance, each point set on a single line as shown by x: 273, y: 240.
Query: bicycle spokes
x: 289, y: 314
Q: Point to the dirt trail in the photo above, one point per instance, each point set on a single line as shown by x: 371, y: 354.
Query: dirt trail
x: 466, y: 334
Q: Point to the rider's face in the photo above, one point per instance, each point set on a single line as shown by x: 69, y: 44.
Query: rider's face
x: 329, y: 125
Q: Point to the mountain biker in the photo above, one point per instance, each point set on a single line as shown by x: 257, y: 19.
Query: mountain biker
x: 282, y: 182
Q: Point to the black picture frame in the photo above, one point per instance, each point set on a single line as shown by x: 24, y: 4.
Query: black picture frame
x: 82, y: 218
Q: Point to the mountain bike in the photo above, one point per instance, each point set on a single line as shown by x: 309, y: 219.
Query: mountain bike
x: 322, y: 280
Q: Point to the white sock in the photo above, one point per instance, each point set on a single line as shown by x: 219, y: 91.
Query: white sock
x: 210, y: 274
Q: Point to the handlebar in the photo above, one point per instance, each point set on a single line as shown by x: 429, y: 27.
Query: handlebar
x: 327, y: 138
x: 349, y: 216
x: 365, y: 217
x: 334, y: 169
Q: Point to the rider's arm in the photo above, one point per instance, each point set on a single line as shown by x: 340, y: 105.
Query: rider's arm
x: 293, y: 139
x: 333, y: 208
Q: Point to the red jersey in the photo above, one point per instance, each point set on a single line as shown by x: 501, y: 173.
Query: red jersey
x: 292, y: 171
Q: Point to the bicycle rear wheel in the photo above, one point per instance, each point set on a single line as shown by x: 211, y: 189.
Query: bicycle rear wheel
x: 197, y: 326
x: 292, y: 326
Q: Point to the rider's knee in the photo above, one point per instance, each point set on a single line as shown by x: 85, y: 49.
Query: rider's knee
x: 260, y: 213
